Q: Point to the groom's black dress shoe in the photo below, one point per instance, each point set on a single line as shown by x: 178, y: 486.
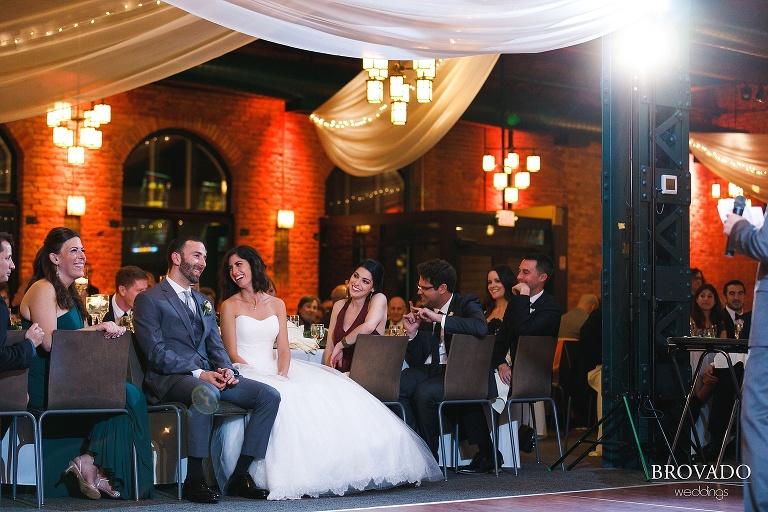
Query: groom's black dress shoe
x: 481, y: 463
x: 198, y: 491
x: 245, y: 487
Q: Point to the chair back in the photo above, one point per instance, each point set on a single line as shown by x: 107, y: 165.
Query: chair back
x: 13, y: 382
x: 532, y: 371
x: 87, y: 370
x: 469, y: 364
x: 378, y: 363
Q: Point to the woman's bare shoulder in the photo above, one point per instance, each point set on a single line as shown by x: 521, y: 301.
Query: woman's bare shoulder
x: 40, y: 289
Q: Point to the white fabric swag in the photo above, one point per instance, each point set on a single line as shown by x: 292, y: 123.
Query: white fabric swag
x: 740, y: 158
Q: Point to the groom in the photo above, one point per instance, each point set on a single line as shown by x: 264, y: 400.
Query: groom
x: 176, y: 329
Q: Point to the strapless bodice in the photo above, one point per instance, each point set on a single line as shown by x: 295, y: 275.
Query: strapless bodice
x: 256, y: 338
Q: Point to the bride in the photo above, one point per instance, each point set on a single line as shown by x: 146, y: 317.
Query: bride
x: 330, y: 436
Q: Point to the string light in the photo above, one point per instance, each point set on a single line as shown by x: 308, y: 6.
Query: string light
x: 727, y: 160
x: 72, y: 25
x: 335, y: 124
x: 365, y: 197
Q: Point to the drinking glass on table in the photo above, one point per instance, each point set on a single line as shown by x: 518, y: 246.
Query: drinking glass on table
x: 97, y: 306
x: 318, y: 332
x: 738, y: 325
x: 294, y: 319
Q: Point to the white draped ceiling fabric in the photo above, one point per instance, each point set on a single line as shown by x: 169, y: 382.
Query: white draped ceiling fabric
x: 740, y: 158
x: 84, y: 50
x: 357, y: 136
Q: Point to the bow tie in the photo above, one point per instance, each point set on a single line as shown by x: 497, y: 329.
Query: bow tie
x: 738, y: 316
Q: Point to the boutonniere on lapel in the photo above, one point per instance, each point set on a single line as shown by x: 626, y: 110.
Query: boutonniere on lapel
x: 450, y: 314
x: 207, y: 308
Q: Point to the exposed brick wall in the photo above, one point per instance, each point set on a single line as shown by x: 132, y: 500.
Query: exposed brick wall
x: 276, y: 161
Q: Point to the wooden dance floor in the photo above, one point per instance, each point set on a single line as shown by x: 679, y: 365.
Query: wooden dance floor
x: 667, y: 497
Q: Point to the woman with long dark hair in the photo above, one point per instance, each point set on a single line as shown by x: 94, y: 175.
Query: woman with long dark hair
x: 357, y: 428
x: 707, y: 311
x: 103, y: 464
x: 364, y: 312
x: 499, y: 286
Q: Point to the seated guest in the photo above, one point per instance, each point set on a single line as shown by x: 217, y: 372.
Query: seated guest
x: 735, y: 293
x: 364, y: 312
x: 272, y: 290
x: 19, y: 356
x: 337, y: 294
x: 395, y: 310
x: 307, y: 311
x: 129, y: 282
x: 707, y: 312
x: 415, y: 302
x: 102, y: 461
x: 208, y: 292
x: 430, y: 330
x: 697, y: 280
x: 530, y: 312
x: 501, y: 280
x: 577, y: 355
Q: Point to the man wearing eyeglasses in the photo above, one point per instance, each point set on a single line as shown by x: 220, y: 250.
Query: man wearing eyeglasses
x: 430, y: 329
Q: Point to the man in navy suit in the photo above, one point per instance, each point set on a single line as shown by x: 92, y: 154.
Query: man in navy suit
x: 430, y: 330
x: 176, y: 329
x: 19, y: 356
x: 530, y: 312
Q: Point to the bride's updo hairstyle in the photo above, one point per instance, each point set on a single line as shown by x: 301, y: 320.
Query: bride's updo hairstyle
x: 377, y: 273
x: 260, y: 279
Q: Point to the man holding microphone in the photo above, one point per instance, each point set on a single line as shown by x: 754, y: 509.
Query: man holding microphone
x: 746, y: 239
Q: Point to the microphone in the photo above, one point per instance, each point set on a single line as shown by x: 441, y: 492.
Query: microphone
x: 739, y: 203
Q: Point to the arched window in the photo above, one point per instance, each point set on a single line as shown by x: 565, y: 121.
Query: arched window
x: 174, y: 184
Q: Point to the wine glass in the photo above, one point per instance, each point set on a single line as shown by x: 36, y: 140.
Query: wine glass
x: 97, y: 306
x: 738, y: 325
x: 318, y: 332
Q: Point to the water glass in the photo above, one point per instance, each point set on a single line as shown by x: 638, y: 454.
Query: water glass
x: 318, y: 332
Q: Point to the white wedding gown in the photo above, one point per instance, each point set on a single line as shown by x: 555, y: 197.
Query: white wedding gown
x: 330, y: 436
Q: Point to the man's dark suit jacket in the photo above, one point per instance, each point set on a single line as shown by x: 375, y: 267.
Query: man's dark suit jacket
x: 12, y: 357
x: 731, y: 330
x: 465, y: 316
x: 110, y: 316
x: 519, y: 321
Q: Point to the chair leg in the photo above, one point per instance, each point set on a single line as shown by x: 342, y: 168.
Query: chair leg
x: 14, y: 459
x: 455, y: 446
x: 441, y: 442
x: 557, y: 431
x: 493, y: 439
x: 178, y: 453
x: 511, y: 440
x: 567, y: 421
x: 535, y: 432
x: 40, y: 472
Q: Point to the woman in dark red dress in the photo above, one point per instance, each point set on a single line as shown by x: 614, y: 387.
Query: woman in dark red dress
x: 364, y: 312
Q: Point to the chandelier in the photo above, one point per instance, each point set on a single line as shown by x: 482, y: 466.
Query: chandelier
x: 78, y: 133
x: 397, y: 71
x: 512, y: 177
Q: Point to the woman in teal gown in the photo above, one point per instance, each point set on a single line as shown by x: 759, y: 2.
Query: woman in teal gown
x: 97, y: 450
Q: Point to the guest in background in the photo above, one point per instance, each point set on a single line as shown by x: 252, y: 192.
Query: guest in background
x: 307, y: 311
x: 734, y: 293
x: 151, y: 281
x: 396, y: 308
x: 501, y: 280
x: 580, y: 359
x: 102, y: 462
x: 88, y: 274
x: 129, y: 282
x: 364, y: 312
x: 337, y: 294
x: 19, y: 356
x: 416, y: 302
x: 208, y: 292
x: 707, y: 312
x: 272, y: 289
x: 571, y: 322
x: 697, y: 279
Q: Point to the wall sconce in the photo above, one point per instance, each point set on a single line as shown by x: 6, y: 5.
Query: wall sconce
x: 363, y: 229
x: 716, y: 190
x: 285, y: 219
x: 735, y: 190
x: 76, y: 205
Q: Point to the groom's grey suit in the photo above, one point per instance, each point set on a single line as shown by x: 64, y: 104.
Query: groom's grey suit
x: 176, y: 343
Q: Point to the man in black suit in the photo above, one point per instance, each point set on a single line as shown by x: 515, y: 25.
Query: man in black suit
x: 429, y: 331
x: 129, y: 282
x: 734, y: 293
x: 530, y: 312
x: 19, y: 356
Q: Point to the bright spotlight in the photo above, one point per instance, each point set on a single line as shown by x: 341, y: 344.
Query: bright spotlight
x: 648, y: 45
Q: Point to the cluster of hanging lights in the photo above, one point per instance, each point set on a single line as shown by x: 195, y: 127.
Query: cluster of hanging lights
x: 521, y: 178
x: 79, y: 132
x: 381, y: 70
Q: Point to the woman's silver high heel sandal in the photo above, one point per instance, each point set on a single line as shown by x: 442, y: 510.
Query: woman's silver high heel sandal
x: 76, y: 469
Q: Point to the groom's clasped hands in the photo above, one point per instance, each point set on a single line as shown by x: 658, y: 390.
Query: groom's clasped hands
x: 221, y: 378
